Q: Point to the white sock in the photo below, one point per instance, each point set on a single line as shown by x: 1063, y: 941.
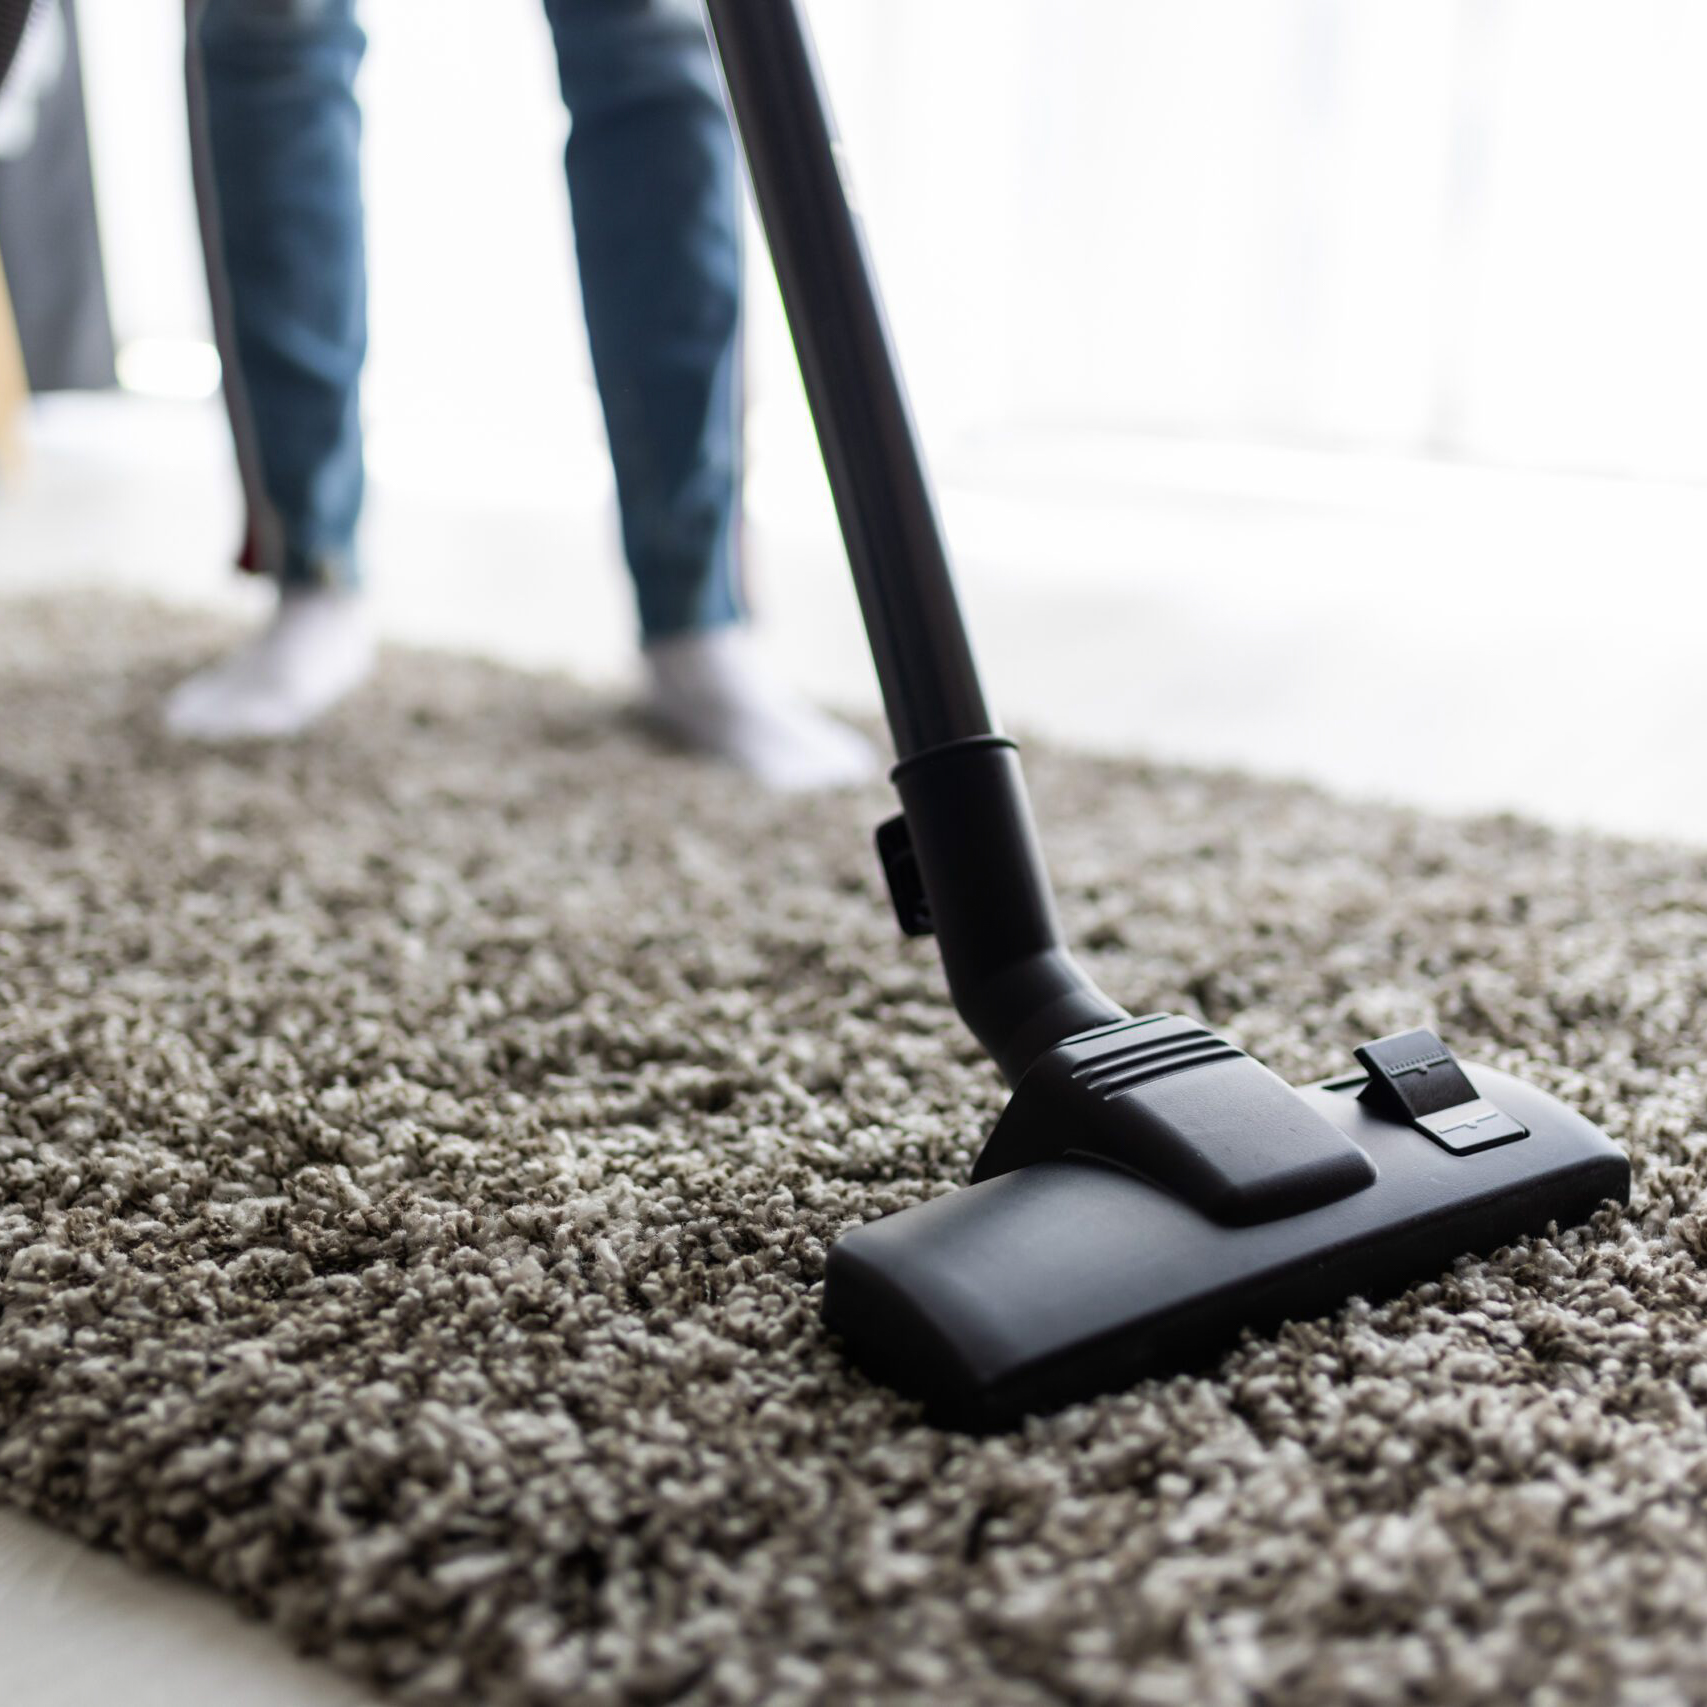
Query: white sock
x: 712, y: 691
x: 318, y: 646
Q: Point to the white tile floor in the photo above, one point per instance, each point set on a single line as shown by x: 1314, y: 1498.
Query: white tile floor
x: 1466, y: 639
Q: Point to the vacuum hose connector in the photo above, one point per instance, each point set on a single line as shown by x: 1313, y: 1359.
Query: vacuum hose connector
x: 971, y: 834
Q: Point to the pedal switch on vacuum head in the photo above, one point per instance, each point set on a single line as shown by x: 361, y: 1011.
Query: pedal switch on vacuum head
x: 1414, y: 1077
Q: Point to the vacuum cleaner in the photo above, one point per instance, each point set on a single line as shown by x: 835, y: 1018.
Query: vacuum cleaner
x: 1151, y: 1191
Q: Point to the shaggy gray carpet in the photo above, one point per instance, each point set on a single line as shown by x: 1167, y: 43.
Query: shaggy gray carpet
x: 419, y: 1147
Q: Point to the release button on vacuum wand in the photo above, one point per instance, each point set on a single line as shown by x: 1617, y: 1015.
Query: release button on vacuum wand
x: 1414, y: 1077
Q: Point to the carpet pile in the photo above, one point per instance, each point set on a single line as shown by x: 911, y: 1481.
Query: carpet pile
x: 419, y: 1148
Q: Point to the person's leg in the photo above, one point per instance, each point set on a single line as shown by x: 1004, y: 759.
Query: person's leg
x: 651, y: 171
x: 653, y: 189
x: 277, y: 135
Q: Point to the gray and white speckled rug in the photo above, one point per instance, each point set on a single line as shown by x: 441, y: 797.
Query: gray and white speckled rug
x: 419, y: 1146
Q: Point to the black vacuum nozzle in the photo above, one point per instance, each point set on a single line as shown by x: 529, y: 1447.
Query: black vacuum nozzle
x: 1076, y: 1274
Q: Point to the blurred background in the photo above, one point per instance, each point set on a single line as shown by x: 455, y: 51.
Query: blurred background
x: 1315, y: 387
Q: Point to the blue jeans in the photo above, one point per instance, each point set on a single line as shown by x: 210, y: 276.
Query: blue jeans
x: 652, y: 186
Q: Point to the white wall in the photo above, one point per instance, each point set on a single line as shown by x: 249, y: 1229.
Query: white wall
x: 1474, y: 226
x: 1463, y: 226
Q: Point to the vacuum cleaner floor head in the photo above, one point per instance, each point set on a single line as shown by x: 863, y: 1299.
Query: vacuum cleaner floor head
x: 1065, y: 1277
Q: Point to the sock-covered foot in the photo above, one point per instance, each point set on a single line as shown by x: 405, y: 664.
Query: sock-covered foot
x: 712, y: 691
x: 318, y: 646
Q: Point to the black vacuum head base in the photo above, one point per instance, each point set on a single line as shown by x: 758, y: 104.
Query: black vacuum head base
x: 1063, y: 1273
